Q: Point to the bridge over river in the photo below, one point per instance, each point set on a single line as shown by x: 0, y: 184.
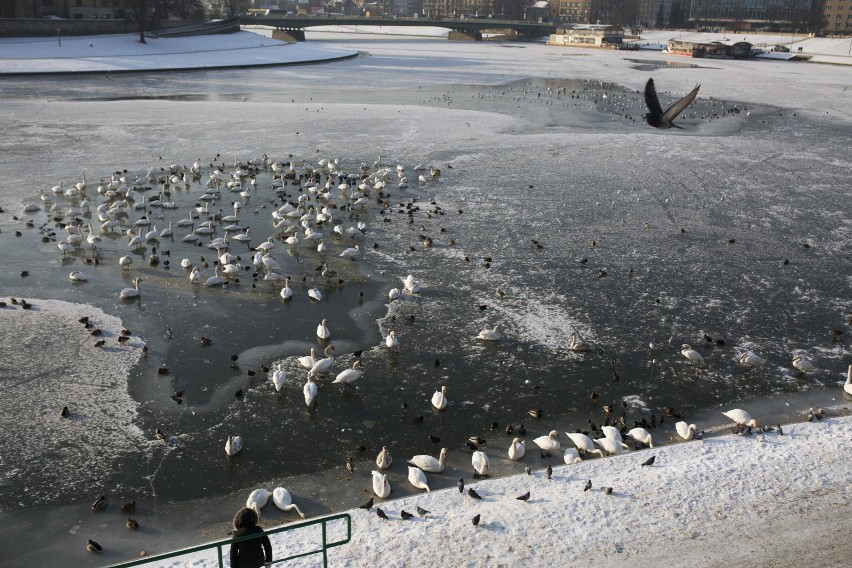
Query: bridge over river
x: 293, y: 27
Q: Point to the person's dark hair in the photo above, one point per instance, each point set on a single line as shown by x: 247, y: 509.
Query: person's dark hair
x: 245, y: 517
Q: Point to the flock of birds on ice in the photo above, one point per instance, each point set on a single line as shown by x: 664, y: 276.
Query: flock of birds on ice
x: 300, y: 223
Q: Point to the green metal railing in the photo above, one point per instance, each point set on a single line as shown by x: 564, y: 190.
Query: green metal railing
x: 220, y: 544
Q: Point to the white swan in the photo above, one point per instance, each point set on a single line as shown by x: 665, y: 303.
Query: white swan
x: 279, y: 376
x: 572, y: 456
x: 282, y: 499
x: 323, y: 365
x: 391, y: 341
x: 78, y: 276
x: 384, y: 459
x: 315, y: 294
x: 307, y: 361
x: 642, y: 436
x: 578, y: 344
x: 310, y: 391
x: 439, y: 399
x: 233, y: 445
x: 286, y: 291
x: 803, y: 364
x: 610, y: 446
x: 129, y: 293
x: 430, y: 464
x: 214, y: 280
x: 257, y: 499
x: 322, y: 330
x: 750, y: 358
x: 381, y: 485
x: 741, y: 417
x: 686, y: 431
x: 517, y: 449
x: 350, y: 252
x: 195, y: 275
x: 548, y: 443
x: 393, y: 294
x: 687, y: 351
x: 583, y: 443
x: 612, y: 433
x: 490, y: 334
x: 847, y: 386
x: 186, y: 264
x: 417, y: 478
x: 480, y: 463
x: 349, y: 376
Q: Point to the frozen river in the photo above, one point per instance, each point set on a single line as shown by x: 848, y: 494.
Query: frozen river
x: 551, y: 190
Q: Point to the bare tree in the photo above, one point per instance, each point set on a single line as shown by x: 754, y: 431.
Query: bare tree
x: 233, y: 7
x: 186, y: 9
x: 138, y: 11
x: 816, y: 21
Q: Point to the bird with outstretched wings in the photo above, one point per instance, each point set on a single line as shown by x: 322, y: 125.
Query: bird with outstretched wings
x: 655, y: 116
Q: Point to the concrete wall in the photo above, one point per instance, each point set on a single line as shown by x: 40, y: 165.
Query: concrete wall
x: 37, y: 27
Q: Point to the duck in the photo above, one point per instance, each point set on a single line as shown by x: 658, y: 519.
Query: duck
x: 315, y: 294
x: 282, y: 499
x: 687, y: 351
x: 583, y: 443
x: 439, y: 399
x: 278, y: 377
x: 517, y: 449
x: 78, y: 276
x: 307, y: 361
x: 130, y: 293
x: 384, y: 459
x: 480, y: 463
x: 609, y: 445
x: 803, y: 364
x: 93, y: 546
x: 349, y: 376
x: 429, y: 463
x: 286, y: 291
x: 572, y: 456
x: 741, y: 417
x: 100, y: 503
x: 750, y: 359
x: 391, y: 341
x: 381, y: 485
x: 490, y: 334
x: 417, y: 478
x: 847, y: 386
x: 257, y: 499
x: 686, y: 431
x: 642, y: 436
x: 310, y: 391
x: 548, y: 443
x: 233, y: 445
x: 322, y: 365
x: 578, y: 344
x: 323, y: 331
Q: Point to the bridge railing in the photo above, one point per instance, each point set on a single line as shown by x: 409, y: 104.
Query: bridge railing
x: 219, y: 545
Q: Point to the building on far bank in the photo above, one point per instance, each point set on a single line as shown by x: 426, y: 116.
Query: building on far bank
x: 838, y: 17
x: 575, y: 11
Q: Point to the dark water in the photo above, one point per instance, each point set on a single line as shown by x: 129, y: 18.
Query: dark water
x: 727, y: 231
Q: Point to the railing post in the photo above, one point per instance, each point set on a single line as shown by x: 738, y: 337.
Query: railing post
x: 324, y: 548
x: 219, y: 552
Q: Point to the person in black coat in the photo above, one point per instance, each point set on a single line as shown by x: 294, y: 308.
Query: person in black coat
x: 252, y: 553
